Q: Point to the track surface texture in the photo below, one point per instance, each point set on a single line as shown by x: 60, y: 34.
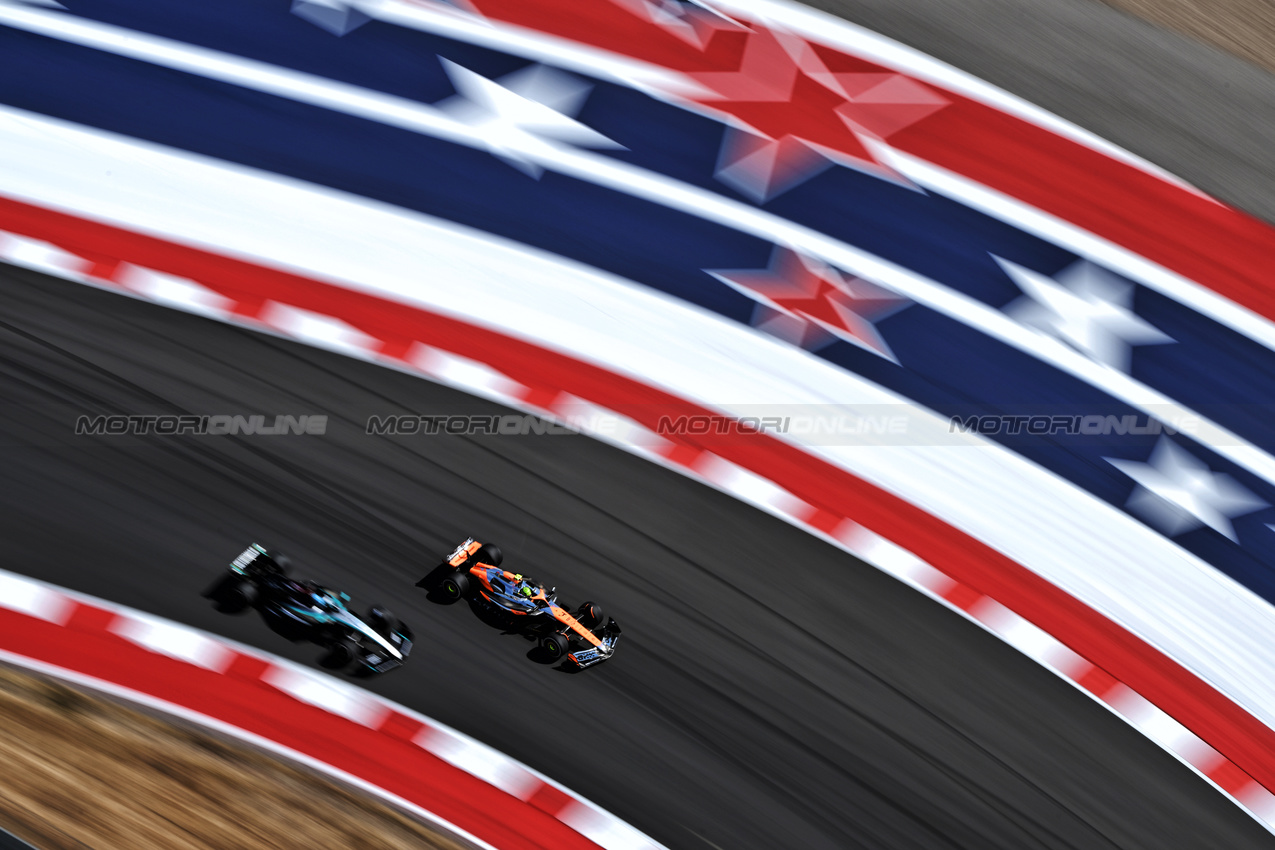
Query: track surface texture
x: 770, y: 691
x: 1201, y: 113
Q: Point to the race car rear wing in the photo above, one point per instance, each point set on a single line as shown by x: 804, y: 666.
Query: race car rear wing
x: 247, y: 557
x: 462, y: 552
x: 608, y: 637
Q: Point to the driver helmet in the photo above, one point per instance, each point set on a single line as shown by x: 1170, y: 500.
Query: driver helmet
x: 526, y: 590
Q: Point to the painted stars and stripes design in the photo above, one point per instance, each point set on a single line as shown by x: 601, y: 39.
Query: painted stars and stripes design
x: 799, y: 115
x: 1085, y: 306
x: 1177, y: 493
x: 777, y: 119
x: 907, y: 234
x: 693, y: 22
x: 811, y: 305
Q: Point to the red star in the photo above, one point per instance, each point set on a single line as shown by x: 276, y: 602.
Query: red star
x: 810, y: 304
x: 801, y: 110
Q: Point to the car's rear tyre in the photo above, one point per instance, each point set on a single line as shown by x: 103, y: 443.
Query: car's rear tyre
x: 590, y: 615
x: 453, y: 588
x: 338, y: 656
x: 553, y: 647
x: 231, y: 594
x: 224, y: 580
x: 234, y: 601
x: 490, y: 555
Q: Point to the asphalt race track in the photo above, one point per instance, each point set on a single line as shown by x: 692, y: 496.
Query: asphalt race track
x: 769, y: 692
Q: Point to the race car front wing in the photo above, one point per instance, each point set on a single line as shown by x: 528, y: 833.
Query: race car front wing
x: 379, y: 661
x: 609, y: 636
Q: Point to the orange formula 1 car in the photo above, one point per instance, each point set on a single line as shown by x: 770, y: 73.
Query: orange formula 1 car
x: 473, y: 572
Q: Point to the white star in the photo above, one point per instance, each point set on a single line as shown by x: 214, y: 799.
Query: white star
x: 1086, y: 307
x: 335, y: 16
x: 1176, y: 492
x: 530, y: 109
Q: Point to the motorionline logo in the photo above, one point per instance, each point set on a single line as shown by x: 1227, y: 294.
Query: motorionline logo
x: 848, y: 425
x: 211, y: 425
x: 469, y: 424
x: 1071, y: 424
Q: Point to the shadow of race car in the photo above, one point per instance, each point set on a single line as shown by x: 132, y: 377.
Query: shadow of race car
x: 306, y: 611
x: 521, y: 604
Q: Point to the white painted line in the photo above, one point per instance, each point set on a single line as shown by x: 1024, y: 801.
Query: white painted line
x: 42, y: 256
x: 328, y: 694
x: 852, y: 536
x: 750, y: 487
x: 1157, y: 725
x: 175, y: 641
x: 34, y: 599
x: 1030, y: 639
x: 603, y: 828
x: 1132, y: 705
x: 479, y: 760
x: 464, y: 373
x: 1260, y: 802
x: 900, y: 563
x: 606, y: 425
x: 172, y: 291
x: 317, y: 329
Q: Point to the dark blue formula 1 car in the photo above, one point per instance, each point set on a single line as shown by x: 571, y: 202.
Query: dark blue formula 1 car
x: 473, y: 572
x: 306, y: 611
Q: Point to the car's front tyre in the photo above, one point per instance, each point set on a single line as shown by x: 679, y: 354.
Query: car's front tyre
x: 553, y: 647
x: 590, y: 615
x: 339, y: 655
